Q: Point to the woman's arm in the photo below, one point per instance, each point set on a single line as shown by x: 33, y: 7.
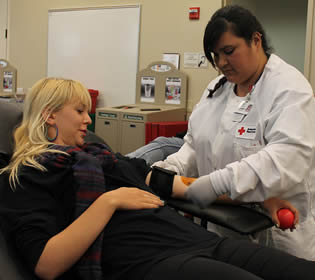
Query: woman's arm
x: 65, y: 248
x: 272, y: 205
x: 284, y: 163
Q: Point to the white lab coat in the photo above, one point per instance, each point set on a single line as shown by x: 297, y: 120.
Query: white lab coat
x: 275, y: 157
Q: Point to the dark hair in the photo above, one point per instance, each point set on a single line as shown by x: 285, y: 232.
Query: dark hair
x: 220, y: 83
x: 240, y: 21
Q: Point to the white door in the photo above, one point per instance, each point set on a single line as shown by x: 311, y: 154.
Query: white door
x: 3, y: 28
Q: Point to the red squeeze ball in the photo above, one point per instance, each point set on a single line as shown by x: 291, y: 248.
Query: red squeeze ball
x: 286, y: 218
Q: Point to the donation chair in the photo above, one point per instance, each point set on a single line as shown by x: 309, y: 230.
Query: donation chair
x: 237, y: 218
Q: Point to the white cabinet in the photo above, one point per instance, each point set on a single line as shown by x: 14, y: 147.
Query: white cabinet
x: 123, y: 127
x: 107, y: 127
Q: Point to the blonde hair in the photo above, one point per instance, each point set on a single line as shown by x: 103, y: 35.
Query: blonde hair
x: 48, y: 95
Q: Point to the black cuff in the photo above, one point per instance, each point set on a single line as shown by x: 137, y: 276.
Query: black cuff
x: 161, y: 181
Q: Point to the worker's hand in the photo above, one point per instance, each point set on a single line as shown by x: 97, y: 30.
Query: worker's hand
x: 274, y: 204
x: 133, y: 199
x: 201, y: 192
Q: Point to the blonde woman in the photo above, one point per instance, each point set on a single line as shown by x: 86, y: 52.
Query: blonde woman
x: 77, y: 211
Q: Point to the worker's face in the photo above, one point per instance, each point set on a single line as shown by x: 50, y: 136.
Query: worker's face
x: 235, y: 58
x: 72, y: 121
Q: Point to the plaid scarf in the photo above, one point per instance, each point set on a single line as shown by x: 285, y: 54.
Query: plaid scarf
x: 87, y: 163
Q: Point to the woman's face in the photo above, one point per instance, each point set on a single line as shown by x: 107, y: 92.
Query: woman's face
x: 72, y: 121
x: 237, y: 59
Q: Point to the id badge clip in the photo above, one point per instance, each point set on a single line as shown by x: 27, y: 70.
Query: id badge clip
x: 244, y: 107
x: 242, y: 111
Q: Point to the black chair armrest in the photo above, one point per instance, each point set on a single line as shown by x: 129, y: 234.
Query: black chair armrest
x: 235, y: 217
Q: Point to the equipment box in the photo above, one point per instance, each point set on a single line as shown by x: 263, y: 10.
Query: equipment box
x: 160, y: 97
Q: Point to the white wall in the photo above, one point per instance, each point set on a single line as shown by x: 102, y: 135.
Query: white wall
x: 164, y: 27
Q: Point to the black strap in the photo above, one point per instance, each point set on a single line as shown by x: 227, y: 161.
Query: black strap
x: 161, y: 181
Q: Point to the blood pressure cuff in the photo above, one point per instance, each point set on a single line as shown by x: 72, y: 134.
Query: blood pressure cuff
x: 161, y: 181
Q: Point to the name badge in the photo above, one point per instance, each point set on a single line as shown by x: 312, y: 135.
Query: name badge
x: 244, y: 107
x: 245, y: 131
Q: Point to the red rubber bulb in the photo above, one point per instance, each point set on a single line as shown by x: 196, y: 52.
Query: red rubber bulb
x: 286, y: 218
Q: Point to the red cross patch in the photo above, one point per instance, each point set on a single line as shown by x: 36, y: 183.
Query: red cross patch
x: 245, y: 131
x: 241, y: 130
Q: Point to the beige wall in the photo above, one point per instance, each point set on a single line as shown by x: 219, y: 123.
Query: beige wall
x: 165, y: 27
x: 310, y: 54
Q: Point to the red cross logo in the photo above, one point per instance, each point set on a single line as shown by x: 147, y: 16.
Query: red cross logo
x: 242, y: 130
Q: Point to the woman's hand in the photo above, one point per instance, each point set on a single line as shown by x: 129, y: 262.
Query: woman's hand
x: 133, y: 199
x: 273, y: 205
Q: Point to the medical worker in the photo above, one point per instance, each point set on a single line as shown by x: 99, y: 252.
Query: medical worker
x: 252, y: 134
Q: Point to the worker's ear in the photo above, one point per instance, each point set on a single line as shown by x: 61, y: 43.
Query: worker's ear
x: 49, y: 117
x: 256, y: 39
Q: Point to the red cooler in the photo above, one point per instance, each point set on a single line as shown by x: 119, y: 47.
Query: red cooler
x: 94, y: 95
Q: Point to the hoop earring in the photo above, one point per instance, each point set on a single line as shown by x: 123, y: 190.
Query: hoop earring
x: 46, y: 133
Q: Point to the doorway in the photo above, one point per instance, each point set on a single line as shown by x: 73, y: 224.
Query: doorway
x: 3, y: 28
x: 287, y: 24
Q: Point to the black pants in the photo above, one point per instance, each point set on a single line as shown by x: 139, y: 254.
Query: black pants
x: 234, y: 260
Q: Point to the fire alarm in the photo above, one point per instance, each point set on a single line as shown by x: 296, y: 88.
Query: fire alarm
x: 194, y: 13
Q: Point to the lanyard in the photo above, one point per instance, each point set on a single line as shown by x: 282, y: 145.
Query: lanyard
x: 249, y: 95
x: 244, y: 107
